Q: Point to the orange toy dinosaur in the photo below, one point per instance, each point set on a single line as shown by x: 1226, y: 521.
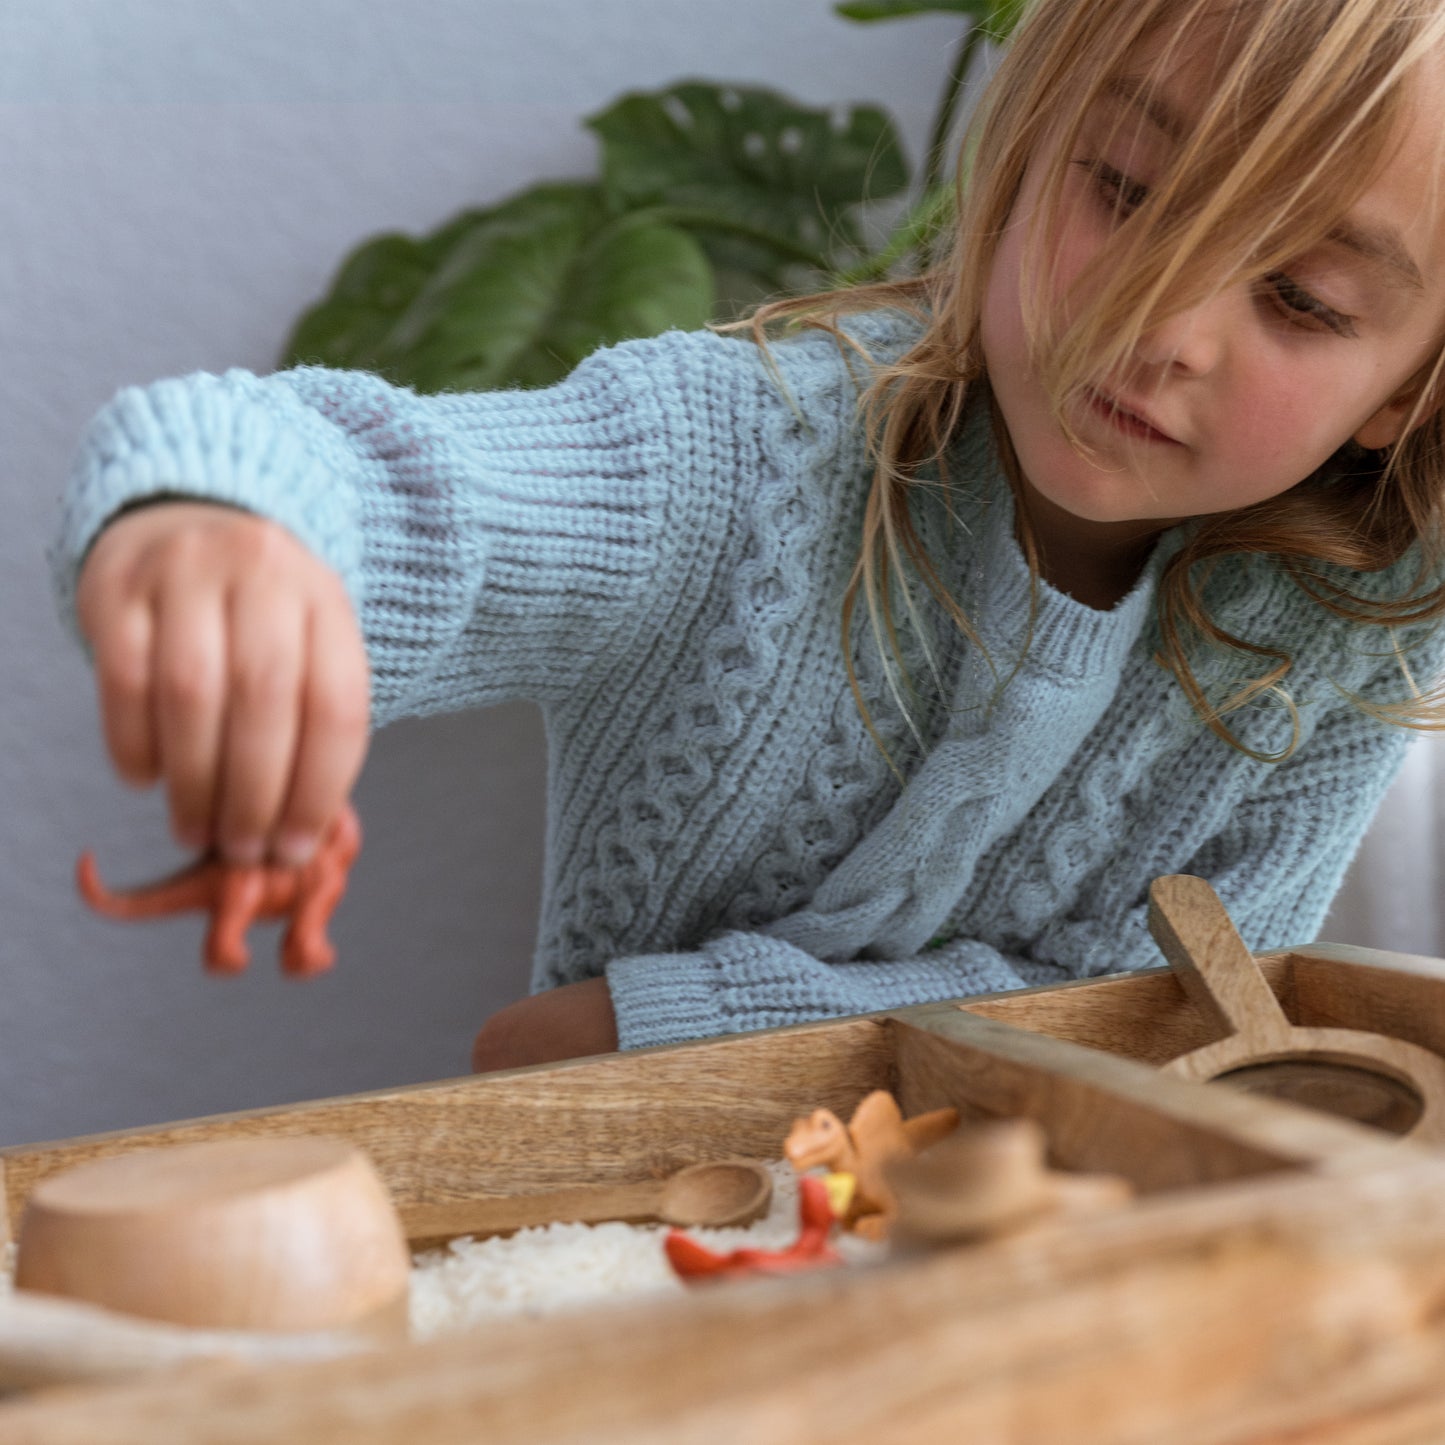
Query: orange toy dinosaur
x: 237, y: 895
x: 875, y: 1134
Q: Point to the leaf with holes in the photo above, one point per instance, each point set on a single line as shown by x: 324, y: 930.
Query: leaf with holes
x: 754, y: 175
x: 511, y: 296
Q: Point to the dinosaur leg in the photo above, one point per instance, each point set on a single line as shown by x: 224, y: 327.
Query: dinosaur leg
x: 238, y: 901
x: 306, y: 950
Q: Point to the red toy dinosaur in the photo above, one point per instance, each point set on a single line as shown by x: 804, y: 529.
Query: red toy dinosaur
x: 237, y: 895
x: 691, y: 1260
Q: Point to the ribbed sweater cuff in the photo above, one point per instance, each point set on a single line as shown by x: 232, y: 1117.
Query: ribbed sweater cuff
x: 211, y: 438
x: 666, y: 998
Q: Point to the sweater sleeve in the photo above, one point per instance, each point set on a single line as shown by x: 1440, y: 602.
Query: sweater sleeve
x: 1282, y: 855
x: 492, y: 543
x: 740, y: 981
x: 1276, y: 866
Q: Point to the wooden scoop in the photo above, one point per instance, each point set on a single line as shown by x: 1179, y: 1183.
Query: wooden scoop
x: 1221, y: 977
x: 285, y: 1234
x: 726, y: 1192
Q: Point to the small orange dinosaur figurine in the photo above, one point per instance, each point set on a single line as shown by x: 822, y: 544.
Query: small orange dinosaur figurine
x: 876, y: 1134
x: 237, y: 895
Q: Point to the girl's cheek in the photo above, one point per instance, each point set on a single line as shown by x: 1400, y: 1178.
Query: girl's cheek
x: 1062, y: 270
x: 1080, y: 234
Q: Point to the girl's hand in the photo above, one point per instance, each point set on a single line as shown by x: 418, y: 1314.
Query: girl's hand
x: 230, y: 666
x: 564, y: 1023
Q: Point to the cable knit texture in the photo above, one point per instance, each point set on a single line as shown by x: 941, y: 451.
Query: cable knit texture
x: 656, y: 551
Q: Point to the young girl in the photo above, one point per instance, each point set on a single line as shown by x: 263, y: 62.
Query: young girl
x: 891, y: 658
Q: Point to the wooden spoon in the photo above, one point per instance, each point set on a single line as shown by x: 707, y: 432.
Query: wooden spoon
x: 723, y: 1192
x: 288, y: 1234
x: 1220, y: 975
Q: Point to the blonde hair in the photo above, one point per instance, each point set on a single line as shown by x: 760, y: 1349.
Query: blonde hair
x: 1307, y: 107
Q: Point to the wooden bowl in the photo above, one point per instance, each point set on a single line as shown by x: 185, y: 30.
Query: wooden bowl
x: 254, y: 1234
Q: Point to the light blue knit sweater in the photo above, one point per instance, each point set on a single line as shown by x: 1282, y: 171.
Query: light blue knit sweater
x: 655, y: 550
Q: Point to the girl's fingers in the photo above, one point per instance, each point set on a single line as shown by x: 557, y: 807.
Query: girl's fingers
x: 122, y: 646
x: 335, y: 719
x: 266, y: 654
x: 229, y: 665
x: 188, y: 667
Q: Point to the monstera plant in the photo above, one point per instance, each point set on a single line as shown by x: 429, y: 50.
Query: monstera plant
x: 711, y: 197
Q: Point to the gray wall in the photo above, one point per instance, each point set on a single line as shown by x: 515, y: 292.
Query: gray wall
x: 178, y: 179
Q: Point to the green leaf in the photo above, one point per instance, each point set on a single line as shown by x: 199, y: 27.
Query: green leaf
x: 893, y: 9
x: 1004, y: 17
x: 514, y: 295
x: 998, y: 17
x: 781, y: 181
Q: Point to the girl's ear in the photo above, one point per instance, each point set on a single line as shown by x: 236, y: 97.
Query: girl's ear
x: 1387, y: 425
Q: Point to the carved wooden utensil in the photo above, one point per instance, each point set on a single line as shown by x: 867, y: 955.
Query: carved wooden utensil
x: 1371, y: 1077
x: 990, y: 1179
x: 285, y: 1234
x: 723, y: 1192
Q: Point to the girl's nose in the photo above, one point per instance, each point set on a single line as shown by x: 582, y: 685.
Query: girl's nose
x: 1190, y: 342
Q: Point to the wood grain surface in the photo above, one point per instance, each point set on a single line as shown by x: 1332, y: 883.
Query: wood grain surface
x: 1280, y: 1278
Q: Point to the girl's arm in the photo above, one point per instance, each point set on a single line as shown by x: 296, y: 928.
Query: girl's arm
x: 487, y: 546
x: 378, y: 552
x: 487, y: 541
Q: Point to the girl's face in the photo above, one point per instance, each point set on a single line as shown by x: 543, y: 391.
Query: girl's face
x: 1245, y: 395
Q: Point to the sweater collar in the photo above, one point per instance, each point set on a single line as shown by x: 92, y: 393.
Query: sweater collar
x: 1069, y: 639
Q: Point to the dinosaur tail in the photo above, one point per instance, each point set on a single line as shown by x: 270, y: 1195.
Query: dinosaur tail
x: 692, y: 1260
x: 925, y: 1129
x: 152, y: 901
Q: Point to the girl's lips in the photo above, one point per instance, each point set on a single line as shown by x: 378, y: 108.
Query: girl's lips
x: 1129, y: 422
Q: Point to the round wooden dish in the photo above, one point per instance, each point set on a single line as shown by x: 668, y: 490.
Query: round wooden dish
x: 254, y: 1234
x: 1369, y: 1077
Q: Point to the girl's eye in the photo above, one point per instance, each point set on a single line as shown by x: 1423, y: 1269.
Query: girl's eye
x: 1302, y: 308
x: 1121, y: 195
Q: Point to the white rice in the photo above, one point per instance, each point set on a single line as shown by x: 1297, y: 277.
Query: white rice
x: 560, y: 1267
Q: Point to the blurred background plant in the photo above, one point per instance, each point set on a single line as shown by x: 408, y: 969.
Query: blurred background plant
x: 711, y: 197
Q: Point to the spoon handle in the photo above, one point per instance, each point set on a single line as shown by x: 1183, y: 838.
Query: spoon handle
x: 584, y: 1204
x: 1212, y: 962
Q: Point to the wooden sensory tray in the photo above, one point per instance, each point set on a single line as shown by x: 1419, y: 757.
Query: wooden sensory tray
x: 1280, y: 1277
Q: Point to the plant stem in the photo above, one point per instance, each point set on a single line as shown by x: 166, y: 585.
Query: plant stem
x: 943, y: 119
x: 948, y: 108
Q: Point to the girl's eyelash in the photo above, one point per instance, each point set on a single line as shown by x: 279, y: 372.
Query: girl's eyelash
x: 1303, y: 308
x: 1122, y: 195
x: 1297, y: 306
